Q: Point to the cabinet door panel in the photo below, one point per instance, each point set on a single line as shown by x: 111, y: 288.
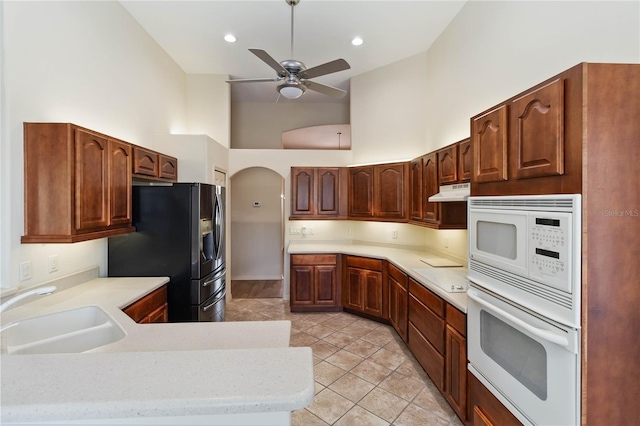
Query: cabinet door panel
x: 398, y: 306
x: 456, y: 372
x: 354, y: 292
x: 465, y: 161
x: 428, y: 323
x: 361, y: 191
x: 325, y: 285
x: 430, y: 211
x: 328, y: 191
x: 145, y: 162
x: 448, y: 165
x: 538, y: 126
x: 373, y: 293
x: 168, y: 168
x: 302, y: 284
x: 390, y: 195
x: 119, y: 182
x: 415, y: 189
x: 303, y: 195
x: 427, y: 356
x: 490, y: 146
x: 91, y: 181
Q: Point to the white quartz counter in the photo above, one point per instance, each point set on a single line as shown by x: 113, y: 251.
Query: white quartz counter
x: 156, y: 370
x: 405, y: 259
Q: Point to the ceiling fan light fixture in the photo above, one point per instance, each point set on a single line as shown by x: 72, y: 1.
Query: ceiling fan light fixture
x: 291, y: 91
x: 230, y: 38
x: 357, y: 41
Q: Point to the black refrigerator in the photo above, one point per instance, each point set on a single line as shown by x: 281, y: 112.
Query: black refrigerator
x: 180, y: 233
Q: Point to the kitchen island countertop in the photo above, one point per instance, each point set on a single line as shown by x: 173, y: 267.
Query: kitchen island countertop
x: 156, y: 370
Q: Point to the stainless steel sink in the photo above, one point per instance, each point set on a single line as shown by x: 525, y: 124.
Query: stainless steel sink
x: 72, y: 331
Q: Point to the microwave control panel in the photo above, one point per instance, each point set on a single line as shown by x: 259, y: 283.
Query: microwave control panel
x: 549, y: 249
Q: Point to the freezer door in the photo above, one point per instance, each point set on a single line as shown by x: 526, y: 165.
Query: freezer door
x: 212, y: 310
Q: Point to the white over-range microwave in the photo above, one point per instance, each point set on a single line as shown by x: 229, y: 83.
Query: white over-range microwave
x: 527, y: 249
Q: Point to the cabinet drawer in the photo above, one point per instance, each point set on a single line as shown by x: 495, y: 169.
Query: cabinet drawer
x: 457, y: 320
x: 147, y: 304
x: 145, y: 162
x: 364, y: 263
x: 314, y: 259
x: 427, y: 356
x: 168, y: 167
x: 430, y: 300
x: 398, y: 275
x: 427, y: 322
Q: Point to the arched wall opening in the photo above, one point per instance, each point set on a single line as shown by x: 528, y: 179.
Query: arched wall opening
x: 257, y: 220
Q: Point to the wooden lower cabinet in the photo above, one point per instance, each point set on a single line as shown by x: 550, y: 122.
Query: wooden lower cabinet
x: 484, y: 409
x: 455, y: 382
x: 315, y: 282
x: 364, y: 291
x: 151, y: 308
x: 398, y: 300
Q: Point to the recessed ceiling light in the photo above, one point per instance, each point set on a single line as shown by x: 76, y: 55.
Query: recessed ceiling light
x: 357, y: 41
x: 230, y: 38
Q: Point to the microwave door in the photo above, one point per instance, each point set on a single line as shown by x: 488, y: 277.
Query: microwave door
x: 499, y: 238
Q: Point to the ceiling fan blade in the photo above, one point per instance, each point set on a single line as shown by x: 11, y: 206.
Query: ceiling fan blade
x: 324, y: 89
x: 324, y: 69
x: 267, y: 59
x: 252, y: 80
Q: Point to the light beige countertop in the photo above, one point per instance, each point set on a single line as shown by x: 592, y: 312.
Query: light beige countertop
x: 156, y: 370
x: 406, y: 259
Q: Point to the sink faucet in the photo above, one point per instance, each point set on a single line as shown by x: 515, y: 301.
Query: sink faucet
x: 38, y: 291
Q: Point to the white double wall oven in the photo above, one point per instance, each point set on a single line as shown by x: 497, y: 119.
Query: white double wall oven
x: 523, y: 314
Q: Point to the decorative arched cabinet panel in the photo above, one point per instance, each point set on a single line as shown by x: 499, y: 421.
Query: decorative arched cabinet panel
x: 489, y: 139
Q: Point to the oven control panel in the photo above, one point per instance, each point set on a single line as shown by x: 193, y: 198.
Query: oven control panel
x: 549, y: 249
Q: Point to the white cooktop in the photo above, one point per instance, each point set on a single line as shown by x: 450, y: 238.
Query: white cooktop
x: 452, y: 280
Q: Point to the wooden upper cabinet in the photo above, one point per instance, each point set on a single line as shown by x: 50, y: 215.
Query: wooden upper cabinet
x: 465, y: 161
x: 318, y: 192
x: 92, y: 196
x: 119, y: 165
x: 415, y: 189
x: 303, y: 191
x: 152, y: 165
x: 168, y: 167
x: 448, y: 165
x: 361, y: 191
x: 390, y: 186
x: 430, y: 211
x: 489, y: 139
x: 537, y: 120
x: 77, y: 184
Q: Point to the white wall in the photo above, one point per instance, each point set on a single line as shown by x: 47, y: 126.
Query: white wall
x: 91, y: 64
x: 493, y: 50
x: 260, y: 125
x: 388, y: 112
x: 209, y: 107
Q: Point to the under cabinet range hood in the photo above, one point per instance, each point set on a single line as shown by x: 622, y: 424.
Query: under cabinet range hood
x: 457, y: 192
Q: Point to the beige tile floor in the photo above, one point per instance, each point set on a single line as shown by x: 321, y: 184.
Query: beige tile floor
x: 364, y: 373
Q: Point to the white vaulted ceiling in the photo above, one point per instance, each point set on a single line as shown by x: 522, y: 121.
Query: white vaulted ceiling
x: 192, y: 32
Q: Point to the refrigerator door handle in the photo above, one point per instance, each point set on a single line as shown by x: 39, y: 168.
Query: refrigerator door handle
x: 218, y: 299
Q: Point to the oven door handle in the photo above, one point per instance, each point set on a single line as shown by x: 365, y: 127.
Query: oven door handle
x: 543, y: 334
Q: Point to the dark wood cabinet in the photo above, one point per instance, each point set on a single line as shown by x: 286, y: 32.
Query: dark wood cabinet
x: 398, y: 300
x: 363, y: 287
x: 361, y: 192
x: 427, y: 331
x: 455, y: 385
x: 484, y: 409
x: 152, y: 165
x: 465, y: 160
x: 318, y: 192
x: 77, y: 184
x: 314, y: 282
x: 379, y: 192
x: 489, y: 135
x: 425, y: 174
x: 151, y: 308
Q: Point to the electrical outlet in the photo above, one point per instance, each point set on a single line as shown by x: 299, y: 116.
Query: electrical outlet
x: 25, y: 271
x: 394, y: 234
x: 446, y: 242
x: 310, y: 230
x: 294, y: 230
x: 348, y: 230
x: 52, y: 261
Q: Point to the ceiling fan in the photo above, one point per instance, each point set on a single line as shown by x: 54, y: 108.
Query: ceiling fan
x: 294, y: 75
